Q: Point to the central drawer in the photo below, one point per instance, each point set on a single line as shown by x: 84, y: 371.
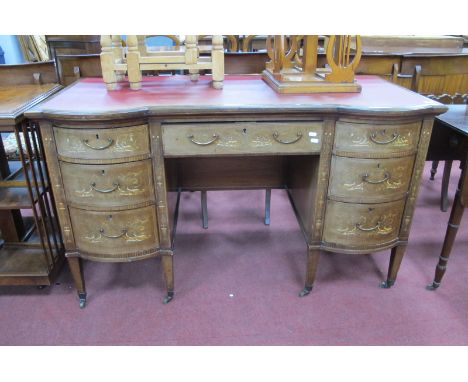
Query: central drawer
x: 207, y: 139
x: 115, y: 235
x: 108, y: 186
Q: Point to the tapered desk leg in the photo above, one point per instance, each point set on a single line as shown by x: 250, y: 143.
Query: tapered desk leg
x: 76, y: 268
x: 168, y: 268
x: 204, y: 209
x: 312, y: 262
x: 395, y: 260
x: 267, y: 205
x: 455, y: 217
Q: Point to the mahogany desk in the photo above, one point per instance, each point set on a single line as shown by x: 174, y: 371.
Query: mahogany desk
x: 455, y: 123
x: 118, y: 161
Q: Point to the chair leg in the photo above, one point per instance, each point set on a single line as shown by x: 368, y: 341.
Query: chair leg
x: 435, y: 164
x: 267, y: 205
x: 444, y: 203
x: 204, y: 208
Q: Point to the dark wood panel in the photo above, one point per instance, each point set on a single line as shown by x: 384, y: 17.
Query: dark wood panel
x: 302, y: 175
x: 229, y: 173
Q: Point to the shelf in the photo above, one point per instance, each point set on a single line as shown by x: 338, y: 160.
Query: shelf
x: 17, y: 197
x: 22, y: 265
x: 22, y: 261
x: 25, y: 263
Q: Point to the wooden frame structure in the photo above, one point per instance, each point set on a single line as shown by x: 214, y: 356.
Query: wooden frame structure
x: 116, y: 60
x: 293, y: 66
x: 31, y: 246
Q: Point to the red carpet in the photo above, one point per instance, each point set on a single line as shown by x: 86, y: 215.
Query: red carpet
x: 263, y: 269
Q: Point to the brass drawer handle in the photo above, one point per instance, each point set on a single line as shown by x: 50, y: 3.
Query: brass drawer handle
x: 361, y: 228
x: 124, y: 232
x: 276, y: 137
x: 105, y: 191
x: 374, y: 136
x: 191, y: 137
x: 110, y: 141
x: 365, y: 178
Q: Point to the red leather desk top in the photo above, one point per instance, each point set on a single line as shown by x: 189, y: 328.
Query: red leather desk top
x: 178, y: 95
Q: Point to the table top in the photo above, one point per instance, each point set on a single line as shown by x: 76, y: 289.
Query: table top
x: 15, y: 99
x: 456, y: 118
x: 172, y: 95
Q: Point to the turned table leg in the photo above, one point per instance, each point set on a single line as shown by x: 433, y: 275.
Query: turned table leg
x: 217, y: 57
x: 133, y: 63
x: 76, y: 268
x: 395, y: 260
x: 312, y: 262
x: 456, y: 215
x: 168, y: 269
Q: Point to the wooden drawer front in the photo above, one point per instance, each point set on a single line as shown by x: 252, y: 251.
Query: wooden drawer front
x: 98, y: 144
x: 106, y: 186
x: 362, y: 225
x: 370, y: 180
x: 113, y: 234
x: 379, y: 139
x: 242, y: 138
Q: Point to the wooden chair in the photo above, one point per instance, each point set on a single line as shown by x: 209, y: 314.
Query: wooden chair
x: 442, y: 77
x: 137, y: 57
x: 449, y: 100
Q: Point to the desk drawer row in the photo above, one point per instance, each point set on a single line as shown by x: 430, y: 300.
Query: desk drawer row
x: 370, y: 174
x: 195, y: 139
x: 109, y: 172
x: 107, y: 177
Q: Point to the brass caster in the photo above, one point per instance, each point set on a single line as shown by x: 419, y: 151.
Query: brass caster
x: 168, y: 298
x: 82, y: 297
x: 306, y: 291
x: 432, y: 286
x: 387, y: 284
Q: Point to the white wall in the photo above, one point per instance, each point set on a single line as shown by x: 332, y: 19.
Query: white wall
x: 11, y: 47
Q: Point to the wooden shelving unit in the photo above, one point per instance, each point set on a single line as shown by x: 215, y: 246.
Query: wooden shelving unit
x: 31, y: 250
